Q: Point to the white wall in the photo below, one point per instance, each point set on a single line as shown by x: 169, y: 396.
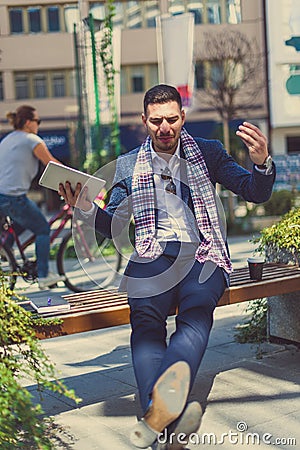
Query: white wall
x: 284, y: 108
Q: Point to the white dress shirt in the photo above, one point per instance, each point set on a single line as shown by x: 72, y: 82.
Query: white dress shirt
x: 176, y: 221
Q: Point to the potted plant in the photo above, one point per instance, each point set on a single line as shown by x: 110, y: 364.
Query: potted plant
x: 276, y: 318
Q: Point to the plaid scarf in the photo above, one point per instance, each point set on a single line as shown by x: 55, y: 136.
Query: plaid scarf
x: 212, y: 247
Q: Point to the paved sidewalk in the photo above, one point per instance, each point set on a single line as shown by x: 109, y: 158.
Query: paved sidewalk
x: 247, y: 402
x: 236, y: 390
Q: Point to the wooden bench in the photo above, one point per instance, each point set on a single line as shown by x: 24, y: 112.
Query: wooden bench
x: 103, y: 308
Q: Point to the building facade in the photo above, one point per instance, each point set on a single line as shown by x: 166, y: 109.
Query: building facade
x: 283, y: 40
x: 38, y: 61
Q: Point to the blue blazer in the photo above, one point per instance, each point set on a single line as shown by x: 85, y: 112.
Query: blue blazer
x: 252, y: 186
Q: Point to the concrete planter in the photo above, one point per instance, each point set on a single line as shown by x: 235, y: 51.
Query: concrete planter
x: 284, y: 317
x: 284, y: 310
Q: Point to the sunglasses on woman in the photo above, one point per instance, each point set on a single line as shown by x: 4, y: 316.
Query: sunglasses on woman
x: 38, y: 121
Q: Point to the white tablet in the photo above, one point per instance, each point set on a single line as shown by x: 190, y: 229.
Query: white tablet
x: 55, y: 173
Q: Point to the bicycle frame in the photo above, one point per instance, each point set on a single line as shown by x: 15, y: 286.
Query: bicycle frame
x: 73, y: 237
x: 64, y: 216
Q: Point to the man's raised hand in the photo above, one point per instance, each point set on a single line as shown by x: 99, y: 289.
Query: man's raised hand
x: 77, y: 198
x: 256, y: 142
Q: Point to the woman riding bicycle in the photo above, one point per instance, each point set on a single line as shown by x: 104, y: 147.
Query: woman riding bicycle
x: 20, y: 153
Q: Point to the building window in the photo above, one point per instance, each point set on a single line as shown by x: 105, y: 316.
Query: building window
x: 123, y: 81
x: 151, y: 12
x: 58, y: 85
x: 196, y: 8
x: 16, y: 20
x: 119, y: 15
x: 208, y: 11
x: 53, y: 19
x: 1, y: 87
x: 45, y: 84
x: 136, y: 14
x: 199, y: 75
x: 217, y: 74
x: 213, y: 75
x: 136, y: 79
x: 213, y: 9
x: 40, y: 85
x: 72, y: 83
x: 176, y: 7
x: 293, y: 144
x: 49, y: 18
x: 233, y: 11
x: 34, y: 19
x: 152, y: 78
x: 22, y: 86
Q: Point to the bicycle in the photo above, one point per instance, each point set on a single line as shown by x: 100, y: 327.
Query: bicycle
x: 85, y: 263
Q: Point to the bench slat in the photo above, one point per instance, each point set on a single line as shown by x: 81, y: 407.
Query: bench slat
x: 103, y: 308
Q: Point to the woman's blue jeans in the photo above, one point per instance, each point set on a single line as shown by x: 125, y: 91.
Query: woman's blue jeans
x: 195, y: 300
x: 27, y: 214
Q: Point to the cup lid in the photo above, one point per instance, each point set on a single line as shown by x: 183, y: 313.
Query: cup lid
x: 256, y: 259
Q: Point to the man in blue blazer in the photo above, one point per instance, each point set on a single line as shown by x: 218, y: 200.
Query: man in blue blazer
x: 180, y: 257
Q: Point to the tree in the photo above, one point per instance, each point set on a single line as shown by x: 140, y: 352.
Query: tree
x: 233, y: 78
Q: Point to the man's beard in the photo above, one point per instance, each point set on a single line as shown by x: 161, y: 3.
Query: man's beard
x: 166, y: 147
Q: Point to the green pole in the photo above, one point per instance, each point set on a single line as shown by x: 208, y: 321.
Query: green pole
x: 116, y: 128
x: 95, y: 75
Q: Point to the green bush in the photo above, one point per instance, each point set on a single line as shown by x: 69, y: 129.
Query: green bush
x: 281, y: 241
x: 21, y: 357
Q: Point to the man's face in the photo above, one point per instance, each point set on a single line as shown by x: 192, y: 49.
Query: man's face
x: 164, y: 123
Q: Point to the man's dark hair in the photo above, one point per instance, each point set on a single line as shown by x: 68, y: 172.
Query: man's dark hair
x: 161, y: 93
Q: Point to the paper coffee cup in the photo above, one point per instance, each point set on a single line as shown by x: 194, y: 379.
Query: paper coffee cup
x: 256, y: 264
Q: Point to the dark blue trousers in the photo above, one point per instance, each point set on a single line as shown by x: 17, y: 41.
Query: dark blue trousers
x: 28, y: 216
x: 167, y: 282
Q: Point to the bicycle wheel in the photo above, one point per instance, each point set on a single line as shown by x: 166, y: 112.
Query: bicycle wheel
x: 88, y: 270
x: 8, y: 266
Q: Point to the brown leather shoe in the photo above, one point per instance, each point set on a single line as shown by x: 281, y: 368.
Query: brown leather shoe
x: 188, y: 423
x: 168, y: 400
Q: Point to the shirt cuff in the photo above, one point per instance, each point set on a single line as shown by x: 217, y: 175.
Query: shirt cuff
x: 263, y: 171
x: 89, y: 212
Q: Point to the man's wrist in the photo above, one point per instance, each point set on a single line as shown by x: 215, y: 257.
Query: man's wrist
x: 267, y: 166
x: 89, y: 212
